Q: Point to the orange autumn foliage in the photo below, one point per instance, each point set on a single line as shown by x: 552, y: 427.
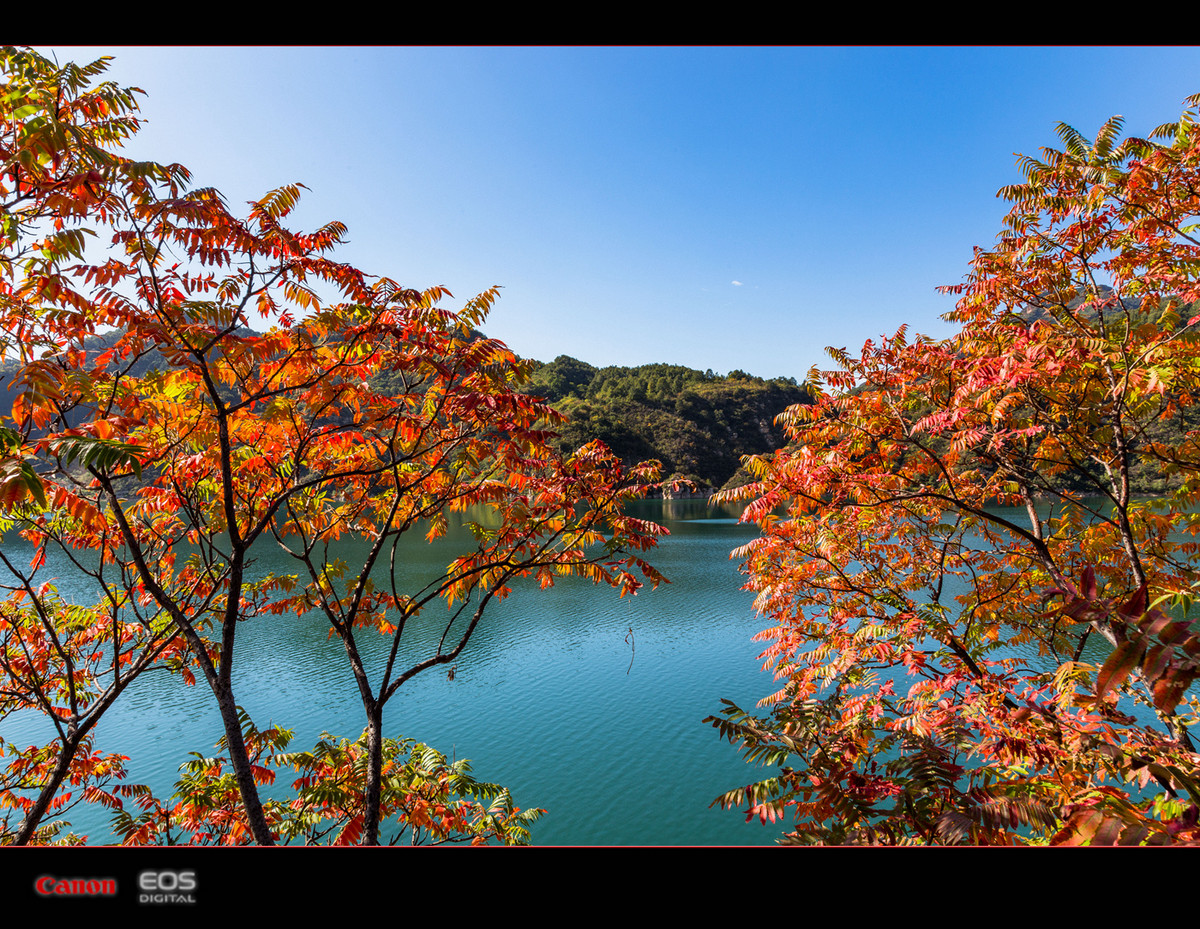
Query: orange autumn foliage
x: 981, y: 632
x: 249, y: 388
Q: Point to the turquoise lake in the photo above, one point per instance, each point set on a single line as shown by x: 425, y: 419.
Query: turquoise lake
x: 578, y: 701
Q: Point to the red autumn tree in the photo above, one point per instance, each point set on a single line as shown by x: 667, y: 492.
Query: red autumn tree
x: 981, y: 628
x: 363, y: 410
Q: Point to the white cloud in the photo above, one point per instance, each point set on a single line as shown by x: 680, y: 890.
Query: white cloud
x: 736, y: 283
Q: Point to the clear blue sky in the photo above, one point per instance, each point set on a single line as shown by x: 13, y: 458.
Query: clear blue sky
x: 715, y: 207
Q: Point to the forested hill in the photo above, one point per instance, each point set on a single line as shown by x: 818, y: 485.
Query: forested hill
x: 697, y: 423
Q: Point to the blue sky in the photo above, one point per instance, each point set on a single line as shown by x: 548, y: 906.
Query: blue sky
x: 715, y: 207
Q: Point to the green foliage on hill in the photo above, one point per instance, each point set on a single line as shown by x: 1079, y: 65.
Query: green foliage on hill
x: 699, y: 424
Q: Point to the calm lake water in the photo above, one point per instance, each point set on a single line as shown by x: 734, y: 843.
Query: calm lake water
x: 548, y: 699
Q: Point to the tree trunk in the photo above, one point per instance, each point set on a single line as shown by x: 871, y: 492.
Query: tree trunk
x: 374, y: 793
x: 239, y: 760
x: 34, y: 817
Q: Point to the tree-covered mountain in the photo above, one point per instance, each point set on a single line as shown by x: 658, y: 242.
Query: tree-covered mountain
x: 697, y: 423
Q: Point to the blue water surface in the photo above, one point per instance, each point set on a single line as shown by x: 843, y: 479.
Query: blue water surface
x: 580, y: 702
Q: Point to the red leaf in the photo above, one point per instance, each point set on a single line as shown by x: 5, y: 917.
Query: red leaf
x: 1124, y: 658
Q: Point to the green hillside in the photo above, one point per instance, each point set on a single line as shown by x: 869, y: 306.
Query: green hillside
x: 697, y: 423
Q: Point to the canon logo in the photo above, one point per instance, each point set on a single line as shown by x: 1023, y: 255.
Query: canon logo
x: 49, y: 886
